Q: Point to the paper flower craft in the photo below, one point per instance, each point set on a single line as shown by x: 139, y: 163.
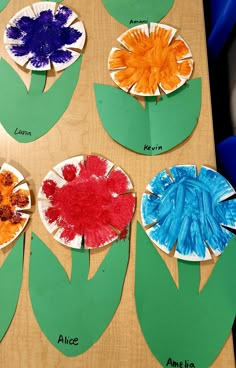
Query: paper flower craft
x: 14, y: 200
x: 152, y: 57
x: 87, y: 200
x: 190, y: 210
x: 41, y: 36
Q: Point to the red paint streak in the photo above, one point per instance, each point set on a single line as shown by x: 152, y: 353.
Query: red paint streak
x: 49, y: 187
x: 93, y: 165
x: 87, y: 206
x: 69, y: 172
x: 124, y: 233
x: 118, y: 182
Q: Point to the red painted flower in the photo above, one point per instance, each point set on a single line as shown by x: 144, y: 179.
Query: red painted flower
x: 88, y: 202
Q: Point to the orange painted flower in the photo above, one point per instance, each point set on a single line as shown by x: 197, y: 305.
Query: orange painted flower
x: 14, y: 200
x: 152, y: 58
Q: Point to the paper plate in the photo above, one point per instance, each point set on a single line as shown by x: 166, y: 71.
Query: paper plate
x: 14, y: 200
x: 86, y: 202
x: 41, y: 37
x: 152, y: 59
x: 188, y: 213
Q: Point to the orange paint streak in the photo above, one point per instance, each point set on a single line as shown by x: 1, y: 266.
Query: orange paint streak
x: 180, y: 49
x: 8, y: 229
x: 185, y: 67
x: 150, y: 62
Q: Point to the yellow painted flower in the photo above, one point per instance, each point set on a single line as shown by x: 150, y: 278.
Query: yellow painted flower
x: 152, y: 58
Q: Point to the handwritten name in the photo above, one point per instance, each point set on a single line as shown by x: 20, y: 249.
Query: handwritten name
x: 22, y: 132
x: 147, y: 147
x: 68, y: 340
x: 180, y: 364
x: 138, y: 21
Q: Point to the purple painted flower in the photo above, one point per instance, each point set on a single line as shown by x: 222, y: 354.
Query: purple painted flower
x: 41, y: 37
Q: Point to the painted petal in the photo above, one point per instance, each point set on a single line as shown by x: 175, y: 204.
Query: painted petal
x: 43, y: 206
x: 18, y: 177
x: 96, y: 166
x: 65, y: 15
x: 116, y: 58
x: 182, y: 171
x: 122, y: 210
x: 13, y: 232
x: 102, y: 235
x: 126, y: 78
x: 42, y: 6
x: 118, y: 181
x: 185, y: 68
x: 12, y: 35
x: 51, y: 176
x: 191, y: 245
x: 162, y: 32
x: 75, y: 161
x: 79, y: 44
x: 76, y: 242
x: 225, y: 212
x: 164, y: 235
x: 217, y: 237
x: 135, y: 37
x: 61, y: 59
x: 25, y: 12
x: 149, y: 209
x: 24, y: 188
x: 180, y: 47
x: 21, y: 60
x: 217, y: 185
x: 159, y: 183
x: 39, y: 63
x: 145, y: 86
x: 171, y: 83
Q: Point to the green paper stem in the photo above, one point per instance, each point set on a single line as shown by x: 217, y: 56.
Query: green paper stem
x: 189, y: 277
x: 37, y: 83
x: 80, y: 265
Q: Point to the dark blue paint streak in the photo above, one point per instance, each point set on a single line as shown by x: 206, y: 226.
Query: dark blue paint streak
x: 44, y: 36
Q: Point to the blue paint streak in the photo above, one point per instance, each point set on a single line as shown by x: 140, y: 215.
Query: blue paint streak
x: 44, y: 37
x: 188, y: 211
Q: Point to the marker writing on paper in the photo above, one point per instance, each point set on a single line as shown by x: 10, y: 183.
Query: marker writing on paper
x: 138, y: 21
x: 181, y: 364
x: 68, y: 340
x: 22, y: 132
x: 147, y: 147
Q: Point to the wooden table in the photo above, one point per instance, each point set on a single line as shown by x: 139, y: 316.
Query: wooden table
x: 80, y: 131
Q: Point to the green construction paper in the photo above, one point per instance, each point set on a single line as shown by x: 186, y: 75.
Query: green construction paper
x: 134, y: 12
x: 10, y: 284
x: 154, y: 129
x: 27, y: 115
x: 184, y: 325
x: 3, y: 4
x: 78, y: 309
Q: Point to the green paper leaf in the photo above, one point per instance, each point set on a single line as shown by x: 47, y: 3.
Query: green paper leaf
x: 154, y: 129
x: 183, y: 325
x: 77, y: 309
x: 10, y: 284
x: 27, y: 115
x: 134, y: 12
x: 3, y: 4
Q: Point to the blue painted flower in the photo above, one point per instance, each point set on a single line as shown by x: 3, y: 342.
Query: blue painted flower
x: 41, y: 37
x: 189, y: 211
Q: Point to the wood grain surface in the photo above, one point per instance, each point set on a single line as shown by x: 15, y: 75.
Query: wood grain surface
x: 80, y: 131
